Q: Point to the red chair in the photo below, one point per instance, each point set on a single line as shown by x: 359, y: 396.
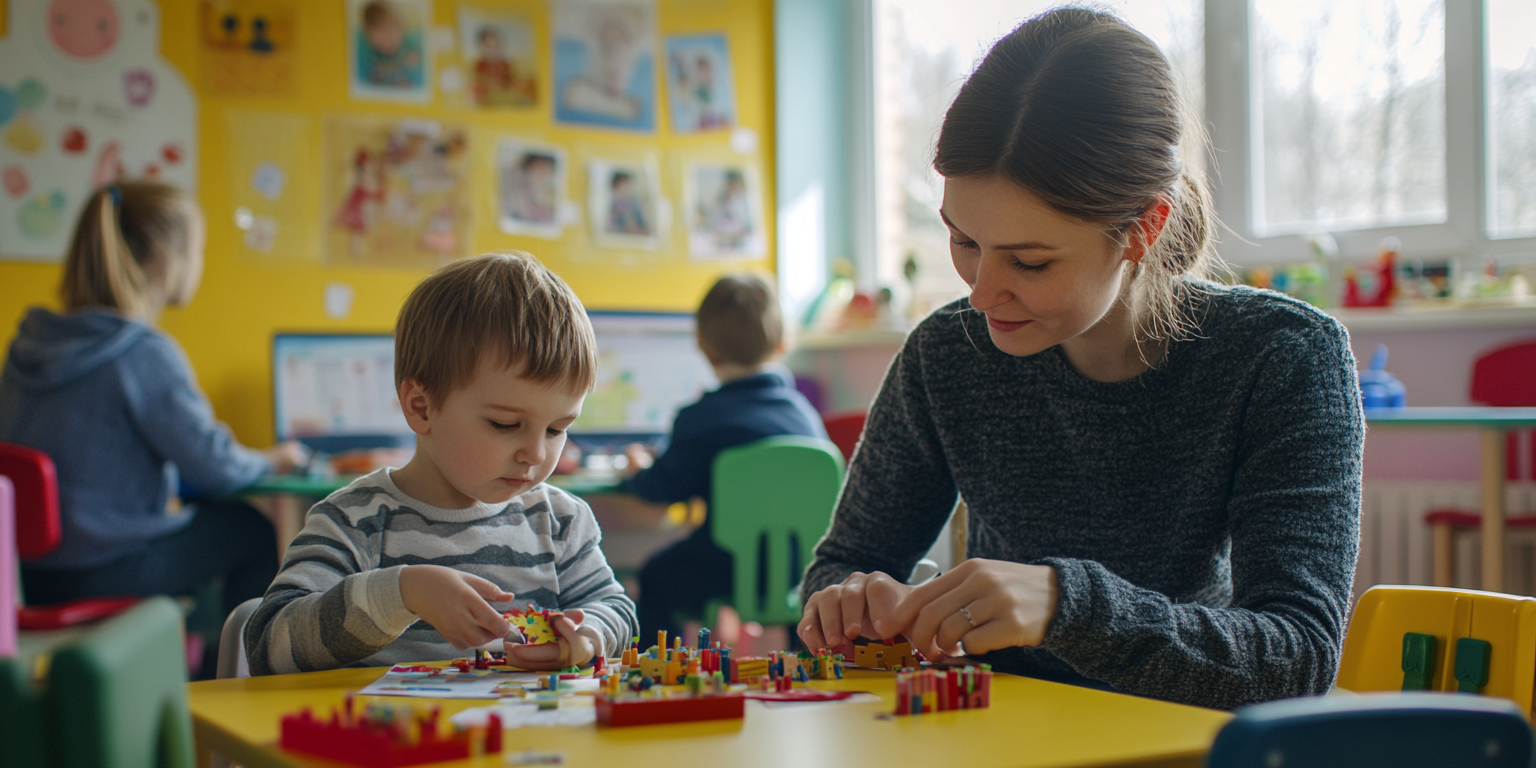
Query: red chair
x: 38, y: 532
x: 844, y: 430
x: 1504, y: 378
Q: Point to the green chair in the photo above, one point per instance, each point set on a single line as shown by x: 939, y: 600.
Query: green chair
x: 115, y: 696
x: 768, y: 494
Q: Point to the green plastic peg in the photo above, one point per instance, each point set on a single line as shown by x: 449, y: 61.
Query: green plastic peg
x: 1472, y: 657
x: 1418, y: 661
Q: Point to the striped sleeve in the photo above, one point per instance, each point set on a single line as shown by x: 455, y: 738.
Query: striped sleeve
x: 330, y: 605
x: 585, y: 580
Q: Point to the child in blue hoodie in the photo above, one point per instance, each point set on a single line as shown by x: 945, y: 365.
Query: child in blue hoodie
x: 111, y: 399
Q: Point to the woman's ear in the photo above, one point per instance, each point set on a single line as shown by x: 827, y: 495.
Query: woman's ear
x: 1148, y: 227
x: 416, y: 405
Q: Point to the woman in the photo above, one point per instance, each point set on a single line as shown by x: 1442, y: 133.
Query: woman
x: 1162, y: 473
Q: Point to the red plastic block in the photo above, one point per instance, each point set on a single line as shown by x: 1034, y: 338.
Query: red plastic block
x: 683, y: 709
x: 362, y: 746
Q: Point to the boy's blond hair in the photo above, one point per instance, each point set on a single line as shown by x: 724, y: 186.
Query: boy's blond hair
x: 739, y: 320
x: 505, y: 305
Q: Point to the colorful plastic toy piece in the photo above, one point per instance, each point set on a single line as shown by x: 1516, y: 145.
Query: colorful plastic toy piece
x: 934, y: 690
x: 651, y: 710
x: 1418, y: 661
x: 384, y: 736
x: 1472, y: 657
x: 882, y: 656
x: 535, y: 625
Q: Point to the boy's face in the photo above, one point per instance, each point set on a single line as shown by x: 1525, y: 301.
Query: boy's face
x: 498, y: 436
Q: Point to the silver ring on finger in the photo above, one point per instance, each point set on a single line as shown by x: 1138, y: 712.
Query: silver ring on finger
x: 966, y: 612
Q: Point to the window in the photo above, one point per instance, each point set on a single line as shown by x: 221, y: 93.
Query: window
x: 1511, y: 86
x: 923, y: 51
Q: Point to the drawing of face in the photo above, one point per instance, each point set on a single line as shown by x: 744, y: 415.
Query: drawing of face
x: 490, y: 44
x: 386, y: 32
x: 83, y: 29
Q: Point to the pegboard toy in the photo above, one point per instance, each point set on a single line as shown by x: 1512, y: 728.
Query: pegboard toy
x: 932, y: 690
x: 384, y: 736
x: 881, y: 656
x: 702, y: 699
x: 537, y: 627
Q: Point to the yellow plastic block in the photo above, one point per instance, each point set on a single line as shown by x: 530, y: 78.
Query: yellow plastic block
x: 1373, y: 647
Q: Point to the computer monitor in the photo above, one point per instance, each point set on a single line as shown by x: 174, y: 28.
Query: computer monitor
x: 649, y: 367
x: 336, y: 392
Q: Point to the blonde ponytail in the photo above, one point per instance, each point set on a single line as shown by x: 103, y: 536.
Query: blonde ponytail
x: 130, y: 249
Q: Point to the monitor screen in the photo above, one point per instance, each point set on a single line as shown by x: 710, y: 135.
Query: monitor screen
x: 649, y: 367
x: 336, y: 392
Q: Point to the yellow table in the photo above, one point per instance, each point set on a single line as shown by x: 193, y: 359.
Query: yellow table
x: 1031, y: 723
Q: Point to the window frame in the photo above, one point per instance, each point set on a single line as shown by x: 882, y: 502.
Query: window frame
x: 1231, y: 103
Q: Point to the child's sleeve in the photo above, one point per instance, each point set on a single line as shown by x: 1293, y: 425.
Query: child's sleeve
x: 329, y: 605
x: 585, y: 580
x: 173, y: 416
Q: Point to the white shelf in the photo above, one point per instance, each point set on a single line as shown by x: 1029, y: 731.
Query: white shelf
x: 870, y: 337
x: 1452, y: 317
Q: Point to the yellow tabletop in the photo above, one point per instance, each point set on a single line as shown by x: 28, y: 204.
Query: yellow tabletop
x: 1030, y: 723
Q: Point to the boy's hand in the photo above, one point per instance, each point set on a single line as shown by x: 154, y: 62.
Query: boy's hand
x: 578, y: 644
x: 454, y: 603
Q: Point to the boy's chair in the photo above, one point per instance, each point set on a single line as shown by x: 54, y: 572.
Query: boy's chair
x: 1404, y: 730
x: 114, y: 698
x: 773, y: 499
x: 39, y: 531
x: 1437, y: 639
x: 1505, y: 378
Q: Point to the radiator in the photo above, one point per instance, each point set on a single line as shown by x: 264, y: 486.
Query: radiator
x: 1396, y: 546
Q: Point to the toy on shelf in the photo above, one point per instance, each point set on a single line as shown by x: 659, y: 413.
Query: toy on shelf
x: 1376, y: 286
x: 935, y: 690
x: 385, y: 736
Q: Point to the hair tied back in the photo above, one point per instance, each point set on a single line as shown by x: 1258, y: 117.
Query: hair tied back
x: 116, y: 193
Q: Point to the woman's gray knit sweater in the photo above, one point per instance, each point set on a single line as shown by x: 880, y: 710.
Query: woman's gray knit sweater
x: 1201, y: 517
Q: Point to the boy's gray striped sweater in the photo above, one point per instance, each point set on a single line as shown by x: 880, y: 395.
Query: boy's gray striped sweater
x: 336, y: 602
x: 1202, y: 517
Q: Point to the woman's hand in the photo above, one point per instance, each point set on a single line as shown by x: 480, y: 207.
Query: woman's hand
x: 845, y: 611
x: 578, y: 644
x: 454, y: 603
x: 1009, y: 605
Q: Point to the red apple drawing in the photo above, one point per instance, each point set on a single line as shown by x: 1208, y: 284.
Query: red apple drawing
x: 73, y: 140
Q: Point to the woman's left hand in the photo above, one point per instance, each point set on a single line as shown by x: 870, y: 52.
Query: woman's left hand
x: 985, y: 604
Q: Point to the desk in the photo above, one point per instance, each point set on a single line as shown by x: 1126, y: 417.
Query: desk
x: 1031, y: 723
x: 1495, y: 424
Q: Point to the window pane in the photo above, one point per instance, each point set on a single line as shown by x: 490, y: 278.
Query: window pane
x: 1350, y: 130
x: 924, y: 49
x: 1512, y: 118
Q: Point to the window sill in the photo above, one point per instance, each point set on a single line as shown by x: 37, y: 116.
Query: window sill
x: 1441, y: 316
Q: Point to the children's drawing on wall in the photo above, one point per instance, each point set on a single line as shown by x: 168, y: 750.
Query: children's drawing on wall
x: 723, y: 212
x: 272, y: 183
x: 387, y: 45
x: 395, y: 192
x: 85, y: 99
x: 699, y: 83
x: 624, y: 203
x: 500, y: 58
x: 530, y: 188
x: 605, y: 71
x: 249, y: 47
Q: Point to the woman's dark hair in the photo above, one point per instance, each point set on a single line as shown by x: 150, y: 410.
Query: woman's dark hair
x: 1083, y: 112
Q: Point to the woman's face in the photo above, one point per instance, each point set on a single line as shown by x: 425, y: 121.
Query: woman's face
x: 1039, y: 276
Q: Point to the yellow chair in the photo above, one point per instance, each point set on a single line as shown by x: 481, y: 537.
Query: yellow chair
x: 1374, y: 647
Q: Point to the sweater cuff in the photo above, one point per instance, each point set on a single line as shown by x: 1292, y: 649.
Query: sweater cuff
x: 377, y: 596
x: 1074, y: 606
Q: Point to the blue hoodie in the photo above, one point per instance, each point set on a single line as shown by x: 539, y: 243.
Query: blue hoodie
x: 114, y: 403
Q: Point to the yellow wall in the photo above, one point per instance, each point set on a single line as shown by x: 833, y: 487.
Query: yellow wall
x: 227, y: 329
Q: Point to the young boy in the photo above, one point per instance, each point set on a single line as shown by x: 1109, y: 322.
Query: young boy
x: 493, y: 356
x: 740, y: 332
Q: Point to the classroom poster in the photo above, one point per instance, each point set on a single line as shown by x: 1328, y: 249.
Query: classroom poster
x: 724, y: 211
x: 387, y: 47
x: 500, y: 59
x: 270, y: 177
x: 624, y: 200
x: 85, y: 99
x: 249, y: 47
x: 395, y: 192
x: 530, y: 188
x: 605, y: 71
x: 699, y: 83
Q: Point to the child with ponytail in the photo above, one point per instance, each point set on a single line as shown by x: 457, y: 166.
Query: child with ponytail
x: 111, y: 399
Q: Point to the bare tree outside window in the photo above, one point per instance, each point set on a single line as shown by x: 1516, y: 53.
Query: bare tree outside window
x: 1350, y: 130
x: 1511, y: 85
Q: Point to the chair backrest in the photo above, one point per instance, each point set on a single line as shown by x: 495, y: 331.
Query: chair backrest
x: 1404, y: 730
x: 845, y: 429
x: 7, y: 568
x: 1376, y: 652
x: 773, y: 500
x: 232, y: 662
x: 119, y: 696
x: 1506, y: 377
x: 36, y: 482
